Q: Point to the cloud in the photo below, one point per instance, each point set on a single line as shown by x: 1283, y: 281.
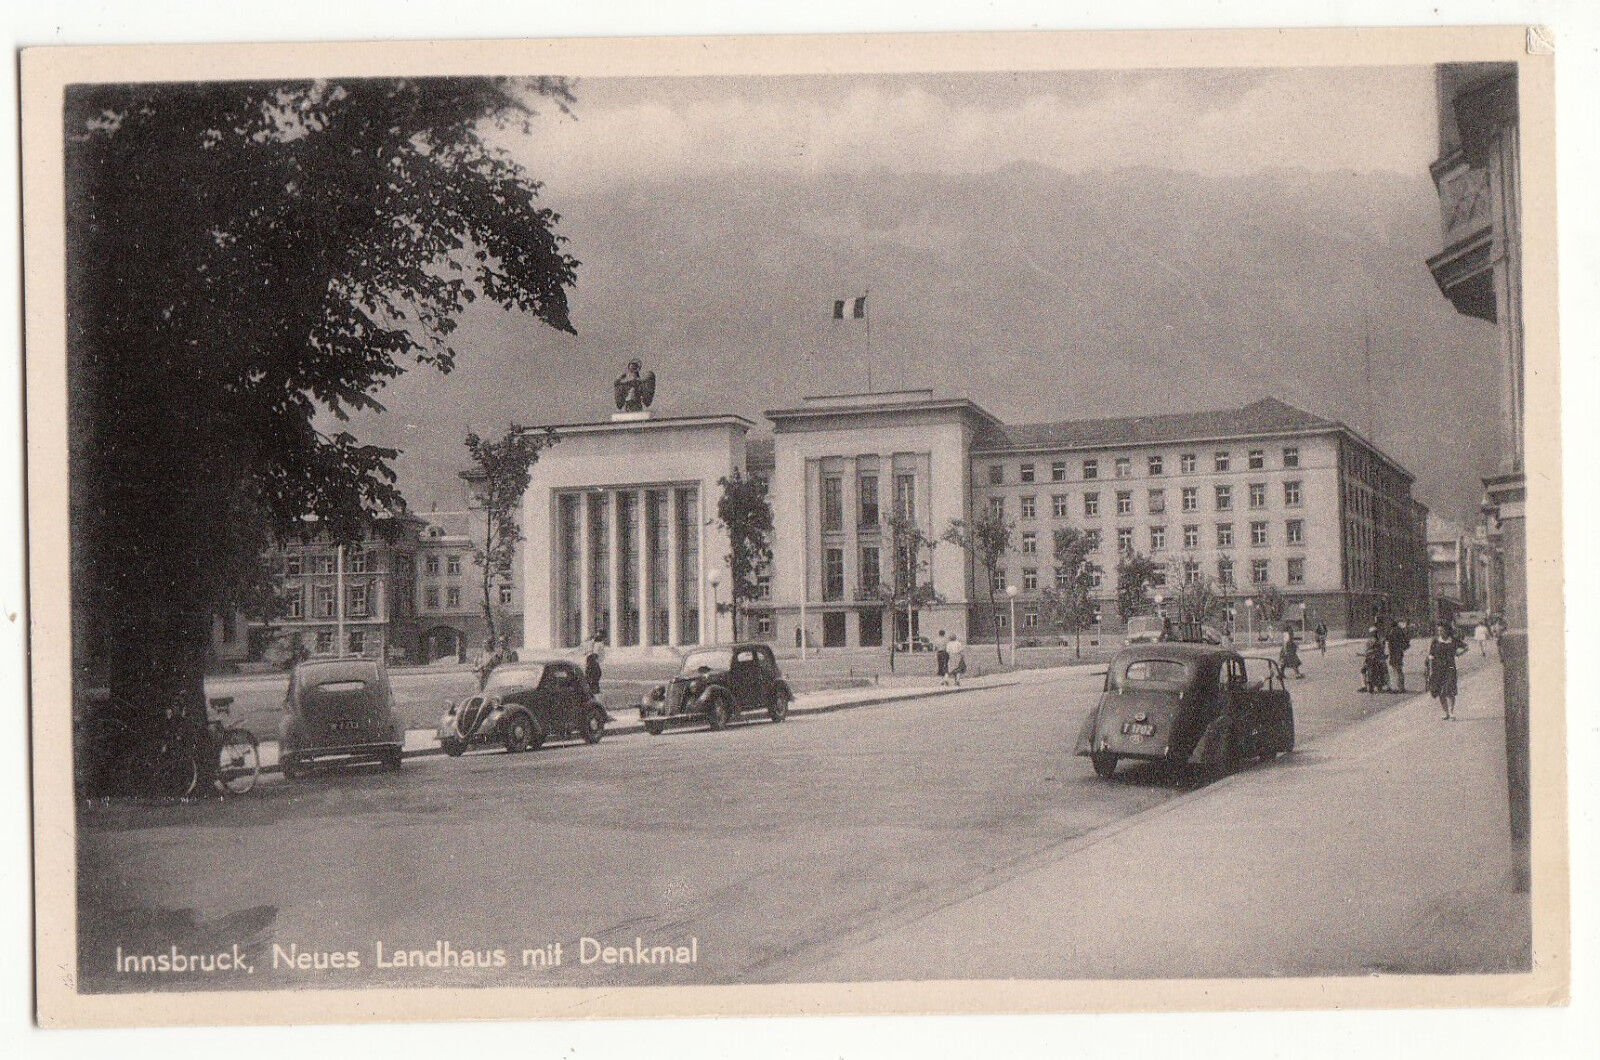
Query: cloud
x: 1213, y: 122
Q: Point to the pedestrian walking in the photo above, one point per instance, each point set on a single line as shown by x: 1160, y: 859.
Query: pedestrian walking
x: 941, y: 655
x: 1322, y: 639
x: 591, y: 663
x: 1481, y: 634
x: 958, y: 660
x: 1374, y: 674
x: 1441, y: 668
x: 1398, y: 641
x: 1289, y: 656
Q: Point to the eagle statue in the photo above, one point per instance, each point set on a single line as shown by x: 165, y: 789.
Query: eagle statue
x: 634, y: 391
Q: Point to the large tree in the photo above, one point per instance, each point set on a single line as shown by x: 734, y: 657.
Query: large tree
x: 986, y: 539
x: 1069, y: 605
x: 910, y: 582
x: 499, y: 476
x: 744, y: 511
x: 1135, y: 575
x: 247, y: 264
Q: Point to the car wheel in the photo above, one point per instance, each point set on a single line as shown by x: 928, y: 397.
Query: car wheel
x: 655, y: 728
x: 453, y: 748
x: 519, y: 733
x: 717, y: 714
x: 1104, y: 764
x: 778, y: 709
x: 594, y: 725
x: 537, y: 735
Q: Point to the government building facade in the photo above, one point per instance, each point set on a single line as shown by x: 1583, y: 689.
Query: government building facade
x: 621, y: 536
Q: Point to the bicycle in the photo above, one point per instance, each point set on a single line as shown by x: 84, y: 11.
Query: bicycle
x: 169, y: 765
x: 238, y: 753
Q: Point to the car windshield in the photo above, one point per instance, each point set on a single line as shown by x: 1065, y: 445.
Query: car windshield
x: 718, y: 659
x: 1165, y: 674
x: 524, y: 676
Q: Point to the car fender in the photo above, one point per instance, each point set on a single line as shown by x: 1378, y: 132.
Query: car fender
x: 784, y: 690
x: 604, y: 713
x: 1212, y: 748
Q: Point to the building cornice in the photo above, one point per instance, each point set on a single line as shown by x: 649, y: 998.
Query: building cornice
x: 728, y: 419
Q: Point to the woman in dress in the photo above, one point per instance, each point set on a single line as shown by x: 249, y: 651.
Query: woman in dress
x: 1289, y: 655
x: 1441, y: 667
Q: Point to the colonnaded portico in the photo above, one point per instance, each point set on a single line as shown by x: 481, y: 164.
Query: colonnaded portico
x: 621, y: 537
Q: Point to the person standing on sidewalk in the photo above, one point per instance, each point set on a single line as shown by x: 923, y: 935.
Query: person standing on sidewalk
x: 1322, y: 639
x: 941, y: 655
x: 1441, y: 668
x: 1399, y: 639
x: 591, y: 663
x: 1480, y: 633
x: 958, y: 661
x: 1289, y: 656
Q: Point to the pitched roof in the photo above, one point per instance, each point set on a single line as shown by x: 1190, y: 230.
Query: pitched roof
x: 1267, y: 416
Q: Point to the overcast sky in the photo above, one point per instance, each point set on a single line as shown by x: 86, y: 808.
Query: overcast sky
x: 1218, y: 122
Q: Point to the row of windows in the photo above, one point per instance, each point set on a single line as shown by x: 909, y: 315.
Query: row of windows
x: 358, y: 601
x: 868, y: 510
x: 355, y: 562
x: 1154, y: 465
x: 355, y: 641
x: 1260, y: 574
x: 1155, y: 501
x: 1294, y: 533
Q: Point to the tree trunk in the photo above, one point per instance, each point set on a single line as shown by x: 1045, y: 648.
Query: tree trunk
x: 157, y: 672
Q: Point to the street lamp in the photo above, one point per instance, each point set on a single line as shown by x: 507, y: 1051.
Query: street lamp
x: 715, y: 578
x: 1159, y: 600
x: 1011, y: 591
x: 1249, y: 620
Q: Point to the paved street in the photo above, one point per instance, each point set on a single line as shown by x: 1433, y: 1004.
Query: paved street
x: 765, y: 844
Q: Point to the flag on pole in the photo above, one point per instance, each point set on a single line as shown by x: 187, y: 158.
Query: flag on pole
x: 858, y: 308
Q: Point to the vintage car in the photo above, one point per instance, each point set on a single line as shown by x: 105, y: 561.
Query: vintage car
x: 521, y: 705
x: 716, y: 685
x: 339, y: 709
x: 1192, y: 704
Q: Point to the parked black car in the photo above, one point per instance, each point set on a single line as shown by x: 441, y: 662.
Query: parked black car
x: 339, y: 709
x: 521, y: 705
x: 717, y: 685
x: 1188, y: 703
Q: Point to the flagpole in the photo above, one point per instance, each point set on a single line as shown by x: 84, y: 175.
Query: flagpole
x: 866, y: 315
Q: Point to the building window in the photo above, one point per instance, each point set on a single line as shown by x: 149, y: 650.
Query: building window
x: 1191, y: 498
x: 324, y: 642
x: 1028, y: 506
x: 452, y: 597
x: 1030, y: 579
x: 1030, y: 620
x: 431, y: 565
x: 1063, y: 578
x: 1158, y: 538
x: 325, y: 601
x: 870, y: 575
x: 1124, y: 539
x: 1294, y: 531
x: 1158, y: 501
x: 1291, y: 456
x: 1191, y: 536
x: 1091, y: 504
x: 997, y: 509
x: 1257, y: 459
x: 867, y: 489
x: 358, y: 601
x: 997, y: 474
x: 1191, y: 571
x: 1291, y: 494
x: 1258, y: 533
x: 1123, y: 466
x: 833, y: 574
x: 294, y: 604
x: 1025, y: 474
x: 764, y: 625
x: 832, y: 504
x: 1258, y: 494
x: 1258, y: 572
x: 1221, y: 459
x: 1001, y: 620
x: 1225, y: 573
x: 355, y: 561
x: 322, y: 565
x: 291, y: 566
x: 430, y: 597
x: 1093, y: 538
x: 1224, y: 535
x: 997, y: 580
x: 1124, y: 502
x: 1030, y: 543
x: 506, y: 594
x: 1091, y: 469
x: 1058, y: 505
x: 1058, y: 471
x: 1097, y: 578
x: 1297, y: 571
x: 1094, y: 614
x: 452, y: 564
x: 763, y: 588
x: 1187, y: 463
x: 905, y: 496
x: 358, y: 641
x: 1224, y: 498
x: 1154, y: 464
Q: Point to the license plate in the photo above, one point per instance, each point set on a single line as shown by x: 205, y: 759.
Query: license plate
x: 347, y: 726
x: 1138, y: 728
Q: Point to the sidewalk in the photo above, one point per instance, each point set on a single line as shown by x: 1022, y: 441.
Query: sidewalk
x: 1383, y: 848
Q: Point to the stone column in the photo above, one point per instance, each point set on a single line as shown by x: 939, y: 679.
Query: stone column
x: 674, y: 561
x: 614, y: 563
x: 585, y: 570
x: 641, y: 579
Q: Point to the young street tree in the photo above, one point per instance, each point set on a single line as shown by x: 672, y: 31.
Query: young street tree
x: 498, y: 479
x: 745, y: 513
x: 1135, y: 575
x: 1192, y: 599
x: 1068, y: 605
x: 247, y: 265
x: 985, y: 539
x: 909, y: 586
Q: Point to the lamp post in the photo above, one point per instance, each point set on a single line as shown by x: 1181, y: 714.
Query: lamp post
x: 1249, y: 620
x: 1159, y: 600
x: 1011, y: 591
x: 715, y: 579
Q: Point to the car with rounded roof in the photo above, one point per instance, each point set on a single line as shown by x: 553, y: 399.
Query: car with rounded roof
x: 339, y: 709
x: 717, y: 685
x: 522, y: 704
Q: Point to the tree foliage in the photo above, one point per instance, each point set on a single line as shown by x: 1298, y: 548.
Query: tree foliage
x: 1192, y: 599
x: 1070, y: 607
x: 745, y: 512
x: 498, y: 479
x: 247, y: 265
x: 1270, y: 602
x: 1135, y: 574
x: 986, y: 539
x: 910, y: 582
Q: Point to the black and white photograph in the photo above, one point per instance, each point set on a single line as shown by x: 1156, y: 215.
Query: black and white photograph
x: 1007, y: 529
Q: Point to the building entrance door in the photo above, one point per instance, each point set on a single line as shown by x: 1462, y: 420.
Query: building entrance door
x: 833, y: 629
